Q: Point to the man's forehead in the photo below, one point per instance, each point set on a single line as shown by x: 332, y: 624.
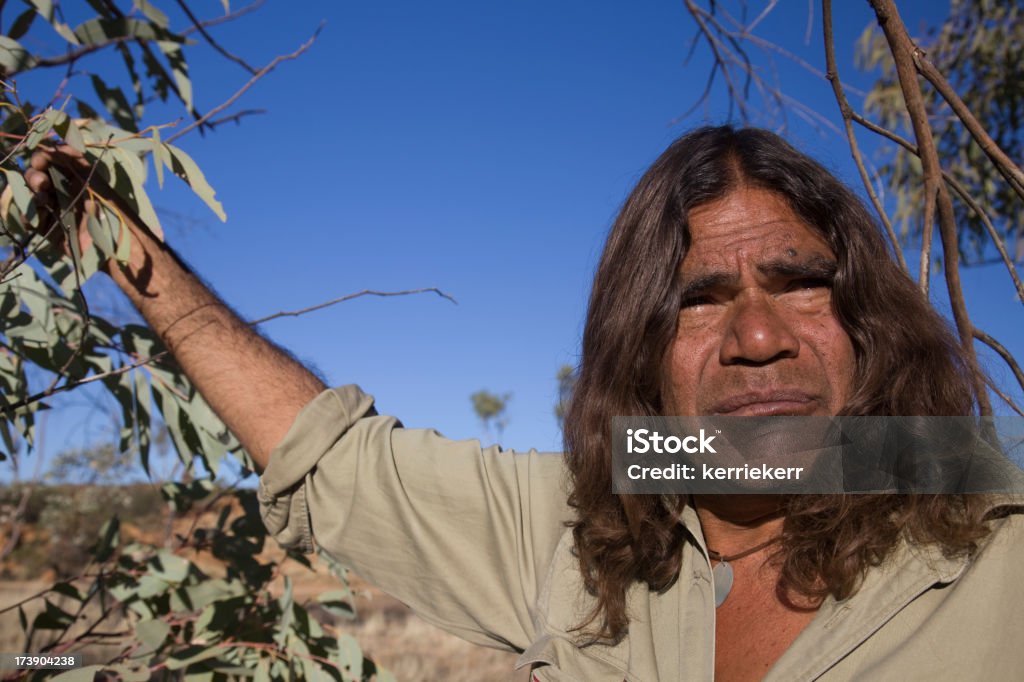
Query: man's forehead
x: 758, y: 245
x: 749, y: 226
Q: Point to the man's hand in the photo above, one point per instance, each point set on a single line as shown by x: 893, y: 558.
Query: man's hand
x: 76, y: 168
x: 255, y: 387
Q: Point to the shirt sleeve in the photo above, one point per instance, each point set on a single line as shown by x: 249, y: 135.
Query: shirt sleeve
x: 461, y: 534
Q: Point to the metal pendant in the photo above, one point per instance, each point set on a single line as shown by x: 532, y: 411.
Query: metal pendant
x: 721, y: 575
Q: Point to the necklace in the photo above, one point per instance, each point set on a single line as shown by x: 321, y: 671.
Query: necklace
x: 721, y: 574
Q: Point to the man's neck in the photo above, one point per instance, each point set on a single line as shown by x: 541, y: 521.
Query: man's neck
x: 734, y: 523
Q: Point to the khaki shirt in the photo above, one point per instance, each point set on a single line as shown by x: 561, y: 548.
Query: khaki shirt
x: 475, y: 541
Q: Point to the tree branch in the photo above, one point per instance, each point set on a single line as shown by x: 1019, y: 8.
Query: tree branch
x: 244, y: 9
x: 714, y: 43
x: 832, y: 74
x: 252, y: 81
x: 1006, y: 167
x: 1003, y: 353
x: 902, y: 48
x: 1005, y: 398
x: 964, y: 195
x: 10, y: 408
x: 209, y: 39
x: 349, y: 297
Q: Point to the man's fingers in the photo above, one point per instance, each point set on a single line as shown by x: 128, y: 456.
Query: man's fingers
x: 64, y: 157
x: 41, y: 159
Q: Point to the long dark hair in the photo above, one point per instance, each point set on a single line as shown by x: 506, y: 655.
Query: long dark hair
x: 908, y: 363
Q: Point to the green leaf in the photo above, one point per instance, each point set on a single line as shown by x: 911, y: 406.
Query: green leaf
x: 22, y: 196
x: 53, y: 618
x: 337, y: 602
x: 135, y: 172
x: 110, y: 538
x: 179, y: 69
x: 68, y: 590
x: 41, y: 127
x: 350, y: 655
x: 208, y: 591
x: 169, y: 567
x: 152, y: 13
x: 116, y: 103
x: 67, y: 129
x: 152, y: 633
x: 22, y: 24
x: 151, y: 586
x: 124, y: 239
x: 285, y: 602
x: 186, y: 169
x: 100, y: 235
x: 161, y: 158
x: 44, y: 7
x: 141, y: 418
x: 262, y: 671
x: 14, y: 57
x: 193, y: 654
x: 101, y: 31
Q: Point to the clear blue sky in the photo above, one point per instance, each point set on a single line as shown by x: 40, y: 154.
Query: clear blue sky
x: 482, y: 148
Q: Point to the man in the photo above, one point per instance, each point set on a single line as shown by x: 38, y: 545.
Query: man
x: 740, y: 278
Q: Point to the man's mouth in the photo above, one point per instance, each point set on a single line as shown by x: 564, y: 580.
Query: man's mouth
x: 767, y: 403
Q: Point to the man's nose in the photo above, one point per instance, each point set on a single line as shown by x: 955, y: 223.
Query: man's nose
x: 758, y: 332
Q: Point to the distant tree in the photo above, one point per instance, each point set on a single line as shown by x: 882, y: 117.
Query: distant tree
x: 491, y: 409
x: 566, y: 378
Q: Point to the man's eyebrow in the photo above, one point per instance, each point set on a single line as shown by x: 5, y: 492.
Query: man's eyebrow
x: 705, y: 282
x: 816, y: 266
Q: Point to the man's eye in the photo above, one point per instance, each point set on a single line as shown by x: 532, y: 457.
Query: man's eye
x: 694, y: 301
x: 805, y: 283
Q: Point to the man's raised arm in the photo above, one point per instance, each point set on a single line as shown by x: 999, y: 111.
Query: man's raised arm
x: 255, y: 387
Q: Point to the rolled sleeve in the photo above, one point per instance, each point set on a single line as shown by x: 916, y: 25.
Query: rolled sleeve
x: 317, y: 428
x: 463, y: 535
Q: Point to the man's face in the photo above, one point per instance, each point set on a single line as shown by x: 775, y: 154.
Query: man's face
x: 756, y: 332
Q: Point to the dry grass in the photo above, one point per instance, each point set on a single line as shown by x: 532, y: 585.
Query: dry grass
x: 415, y: 650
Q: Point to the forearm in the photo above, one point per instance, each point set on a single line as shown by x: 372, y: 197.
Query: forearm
x: 254, y: 387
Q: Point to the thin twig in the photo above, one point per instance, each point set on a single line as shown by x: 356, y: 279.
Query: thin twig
x: 760, y: 17
x: 349, y: 297
x: 1006, y: 167
x: 11, y: 407
x: 962, y: 192
x: 209, y: 39
x: 252, y: 81
x: 1003, y: 353
x: 244, y: 9
x: 72, y: 56
x: 715, y: 44
x: 832, y: 74
x: 902, y: 48
x: 744, y: 33
x: 1005, y: 398
x: 235, y: 118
